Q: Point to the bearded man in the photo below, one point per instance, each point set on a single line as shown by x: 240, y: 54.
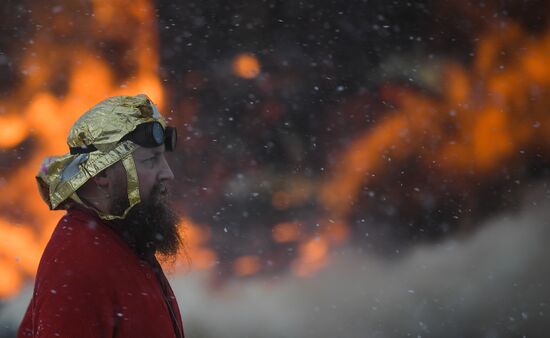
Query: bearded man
x: 99, y: 276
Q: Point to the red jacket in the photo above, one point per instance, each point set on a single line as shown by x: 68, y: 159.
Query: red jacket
x: 91, y: 284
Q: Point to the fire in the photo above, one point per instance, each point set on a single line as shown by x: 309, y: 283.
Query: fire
x: 22, y: 241
x: 11, y: 279
x: 13, y: 131
x: 483, y: 117
x: 195, y: 240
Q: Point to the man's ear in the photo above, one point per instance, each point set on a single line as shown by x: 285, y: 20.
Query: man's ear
x: 102, y: 179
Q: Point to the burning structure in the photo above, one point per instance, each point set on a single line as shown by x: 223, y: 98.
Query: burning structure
x: 308, y: 127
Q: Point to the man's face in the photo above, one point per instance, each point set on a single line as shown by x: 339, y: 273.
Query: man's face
x: 152, y: 170
x: 152, y: 225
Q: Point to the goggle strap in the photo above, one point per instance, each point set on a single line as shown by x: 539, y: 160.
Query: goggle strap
x: 82, y: 150
x: 133, y: 181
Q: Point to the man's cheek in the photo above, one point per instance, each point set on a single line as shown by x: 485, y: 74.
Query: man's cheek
x: 149, y: 189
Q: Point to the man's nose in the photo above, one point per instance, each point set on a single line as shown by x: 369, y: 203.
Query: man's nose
x: 166, y: 173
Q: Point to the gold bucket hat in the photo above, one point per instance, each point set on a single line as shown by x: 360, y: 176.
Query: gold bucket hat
x: 97, y: 141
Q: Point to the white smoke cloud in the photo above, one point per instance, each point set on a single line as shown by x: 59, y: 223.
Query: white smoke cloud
x: 493, y: 283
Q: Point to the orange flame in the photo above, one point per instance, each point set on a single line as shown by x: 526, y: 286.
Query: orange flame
x: 12, y: 131
x: 497, y: 108
x: 21, y: 242
x: 196, y: 238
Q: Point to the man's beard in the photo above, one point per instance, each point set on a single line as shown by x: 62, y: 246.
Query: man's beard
x: 151, y: 226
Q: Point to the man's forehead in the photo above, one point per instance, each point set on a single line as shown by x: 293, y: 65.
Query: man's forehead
x: 141, y: 152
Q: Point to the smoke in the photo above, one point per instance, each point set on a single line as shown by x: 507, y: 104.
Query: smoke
x: 493, y: 283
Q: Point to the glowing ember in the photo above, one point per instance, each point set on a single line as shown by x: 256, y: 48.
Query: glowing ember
x: 335, y: 232
x: 246, y: 65
x: 286, y: 232
x: 313, y: 255
x: 247, y: 265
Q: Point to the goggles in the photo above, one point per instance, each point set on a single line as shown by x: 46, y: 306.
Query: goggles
x: 148, y: 135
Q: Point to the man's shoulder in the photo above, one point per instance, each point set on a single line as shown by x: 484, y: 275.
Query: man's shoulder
x: 83, y: 243
x: 84, y: 258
